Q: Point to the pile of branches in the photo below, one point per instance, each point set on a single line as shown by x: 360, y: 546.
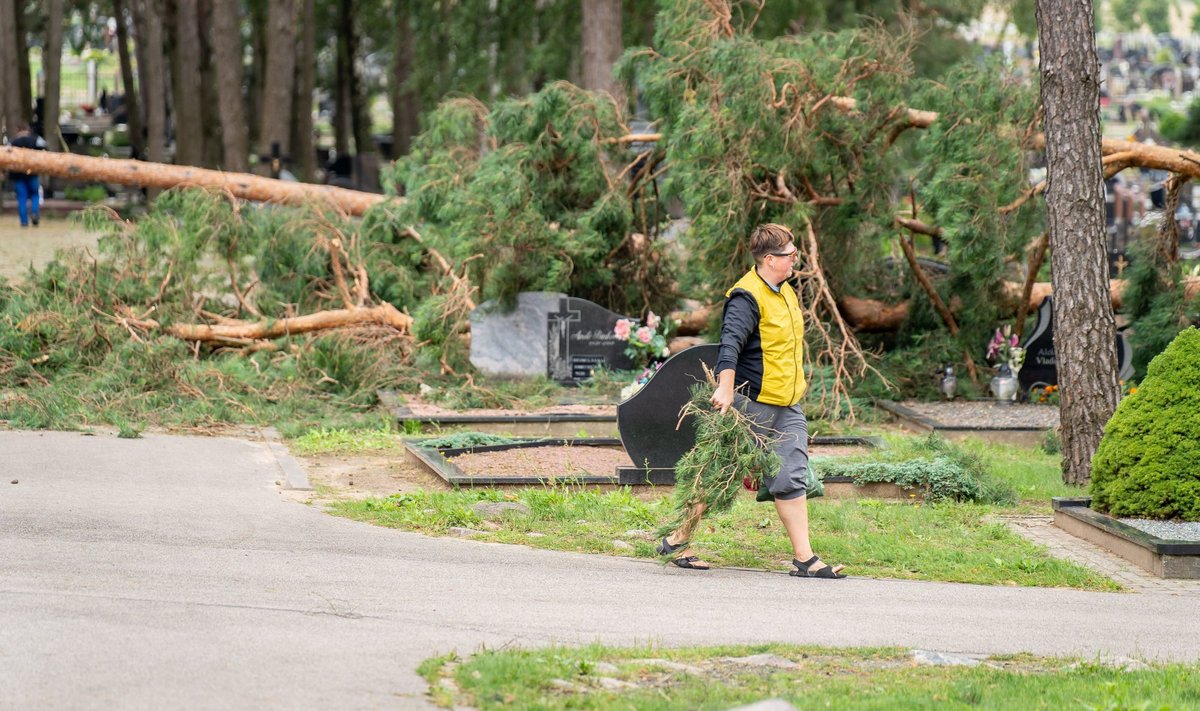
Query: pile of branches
x: 727, y: 450
x: 209, y: 301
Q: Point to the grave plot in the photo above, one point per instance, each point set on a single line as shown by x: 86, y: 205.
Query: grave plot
x: 567, y: 419
x: 1014, y: 423
x: 652, y: 441
x: 599, y: 461
x: 534, y: 463
x: 1167, y: 549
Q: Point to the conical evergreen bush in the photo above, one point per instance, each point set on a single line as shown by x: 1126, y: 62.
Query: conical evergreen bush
x: 1148, y: 464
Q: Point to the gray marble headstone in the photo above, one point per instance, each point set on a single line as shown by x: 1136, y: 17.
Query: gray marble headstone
x: 513, y: 343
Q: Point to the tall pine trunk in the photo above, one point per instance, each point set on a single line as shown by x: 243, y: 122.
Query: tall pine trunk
x: 366, y: 157
x: 344, y: 81
x: 258, y: 64
x: 26, y: 80
x: 189, y: 124
x: 303, y: 149
x: 601, y: 44
x: 14, y: 114
x: 209, y: 101
x: 1084, y: 328
x: 148, y: 24
x: 227, y: 56
x: 133, y: 105
x: 52, y: 65
x: 404, y: 99
x: 280, y: 73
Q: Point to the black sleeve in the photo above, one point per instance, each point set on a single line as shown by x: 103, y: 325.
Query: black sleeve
x: 740, y: 320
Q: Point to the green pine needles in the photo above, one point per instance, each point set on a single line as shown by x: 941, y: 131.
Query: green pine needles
x: 727, y: 449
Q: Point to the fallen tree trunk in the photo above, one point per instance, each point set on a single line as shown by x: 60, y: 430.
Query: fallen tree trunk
x: 875, y: 316
x: 384, y: 315
x: 161, y: 175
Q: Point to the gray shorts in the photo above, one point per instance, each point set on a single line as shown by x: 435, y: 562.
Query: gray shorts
x: 788, y: 426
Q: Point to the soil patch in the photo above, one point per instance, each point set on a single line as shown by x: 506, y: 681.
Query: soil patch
x: 544, y: 462
x: 340, y: 477
x: 22, y: 246
x: 985, y: 414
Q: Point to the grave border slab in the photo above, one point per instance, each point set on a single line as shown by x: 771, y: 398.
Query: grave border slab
x: 1015, y: 434
x: 1162, y: 557
x: 436, y: 460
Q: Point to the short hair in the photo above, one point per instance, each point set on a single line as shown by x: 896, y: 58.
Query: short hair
x: 768, y: 238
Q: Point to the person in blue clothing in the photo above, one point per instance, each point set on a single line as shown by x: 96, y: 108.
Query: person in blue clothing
x: 760, y: 371
x: 26, y: 184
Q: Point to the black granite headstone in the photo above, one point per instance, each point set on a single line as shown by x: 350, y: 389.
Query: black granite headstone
x: 646, y: 421
x: 1041, y: 361
x: 579, y: 338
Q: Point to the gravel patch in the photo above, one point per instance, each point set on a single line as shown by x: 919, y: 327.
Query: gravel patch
x: 986, y: 413
x: 1166, y: 530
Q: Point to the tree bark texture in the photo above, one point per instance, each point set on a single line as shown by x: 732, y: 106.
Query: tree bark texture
x: 227, y: 56
x: 601, y: 44
x: 360, y: 122
x: 25, y: 80
x: 258, y: 72
x: 210, y: 100
x: 385, y: 314
x: 189, y: 126
x: 404, y: 99
x: 52, y: 66
x: 162, y: 176
x: 133, y: 105
x: 10, y: 101
x: 1083, y: 316
x: 150, y: 69
x: 280, y: 73
x: 342, y: 103
x: 303, y: 148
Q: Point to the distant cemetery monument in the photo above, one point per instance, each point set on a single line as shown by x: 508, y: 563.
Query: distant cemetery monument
x: 1041, y: 361
x: 561, y: 337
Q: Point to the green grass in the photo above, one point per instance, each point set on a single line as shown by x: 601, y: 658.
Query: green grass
x: 947, y: 542
x: 1035, y: 475
x: 863, y: 678
x: 339, y: 440
x: 952, y: 542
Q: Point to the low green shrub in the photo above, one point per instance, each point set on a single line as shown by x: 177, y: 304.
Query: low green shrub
x: 464, y: 440
x: 1148, y: 463
x: 941, y: 471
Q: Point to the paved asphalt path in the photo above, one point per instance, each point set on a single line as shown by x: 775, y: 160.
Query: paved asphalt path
x: 169, y: 572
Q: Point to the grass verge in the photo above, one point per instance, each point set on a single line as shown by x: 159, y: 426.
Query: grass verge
x: 947, y: 542
x: 597, y: 677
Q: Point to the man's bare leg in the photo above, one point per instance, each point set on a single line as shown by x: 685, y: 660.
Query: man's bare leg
x: 684, y: 533
x: 794, y: 515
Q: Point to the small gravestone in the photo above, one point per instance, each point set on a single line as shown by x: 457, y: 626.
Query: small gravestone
x: 646, y: 421
x: 1041, y: 361
x: 513, y: 343
x: 580, y: 337
x: 1118, y: 262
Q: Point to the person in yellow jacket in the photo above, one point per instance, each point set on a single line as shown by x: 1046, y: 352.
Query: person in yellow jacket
x: 760, y: 370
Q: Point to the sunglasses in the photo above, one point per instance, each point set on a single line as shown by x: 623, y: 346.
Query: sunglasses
x: 794, y: 254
